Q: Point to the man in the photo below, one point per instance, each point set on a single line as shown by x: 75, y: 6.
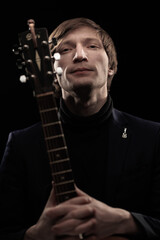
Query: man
x: 115, y: 157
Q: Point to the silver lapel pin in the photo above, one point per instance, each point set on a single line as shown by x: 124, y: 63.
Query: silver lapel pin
x: 124, y: 134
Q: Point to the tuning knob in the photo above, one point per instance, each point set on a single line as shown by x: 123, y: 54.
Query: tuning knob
x: 59, y: 71
x: 23, y: 79
x: 53, y: 41
x: 57, y: 56
x: 17, y: 49
x: 20, y: 64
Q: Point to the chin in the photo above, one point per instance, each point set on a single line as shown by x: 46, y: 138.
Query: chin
x: 82, y: 85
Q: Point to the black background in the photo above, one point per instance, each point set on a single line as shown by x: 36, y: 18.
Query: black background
x: 134, y: 29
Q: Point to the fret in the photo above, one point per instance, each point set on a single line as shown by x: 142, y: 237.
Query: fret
x: 51, y: 124
x: 63, y: 197
x: 63, y: 176
x: 65, y: 182
x: 48, y: 117
x: 54, y: 137
x: 58, y: 154
x: 58, y: 167
x: 51, y: 129
x: 48, y: 109
x: 55, y: 143
x: 56, y: 149
x: 63, y: 193
x: 60, y: 161
x: 64, y: 188
x: 44, y: 94
x: 62, y: 172
x: 46, y: 101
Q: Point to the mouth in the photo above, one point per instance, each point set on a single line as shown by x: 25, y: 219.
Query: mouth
x: 81, y: 70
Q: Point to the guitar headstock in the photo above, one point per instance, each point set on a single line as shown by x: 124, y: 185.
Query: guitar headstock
x: 37, y: 58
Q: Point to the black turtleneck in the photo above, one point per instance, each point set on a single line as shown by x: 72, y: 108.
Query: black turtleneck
x: 86, y: 138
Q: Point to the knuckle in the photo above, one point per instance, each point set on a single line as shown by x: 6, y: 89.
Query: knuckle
x: 93, y: 223
x: 90, y: 210
x: 47, y: 213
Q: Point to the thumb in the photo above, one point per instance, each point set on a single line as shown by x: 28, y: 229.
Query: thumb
x: 52, y: 199
x: 80, y: 192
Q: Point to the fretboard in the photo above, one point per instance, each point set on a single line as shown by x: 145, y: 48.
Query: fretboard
x: 56, y: 148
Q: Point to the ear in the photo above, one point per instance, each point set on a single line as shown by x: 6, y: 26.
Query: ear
x: 110, y: 72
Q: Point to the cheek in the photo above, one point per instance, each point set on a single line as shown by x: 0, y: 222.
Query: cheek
x: 62, y: 80
x: 103, y: 67
x: 64, y: 75
x: 102, y: 60
x: 56, y: 65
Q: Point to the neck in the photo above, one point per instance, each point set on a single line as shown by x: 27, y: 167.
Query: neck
x: 85, y: 104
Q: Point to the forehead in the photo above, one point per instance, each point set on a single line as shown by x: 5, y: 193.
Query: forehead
x: 81, y: 33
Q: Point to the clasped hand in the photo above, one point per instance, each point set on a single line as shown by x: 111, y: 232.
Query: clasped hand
x: 82, y: 214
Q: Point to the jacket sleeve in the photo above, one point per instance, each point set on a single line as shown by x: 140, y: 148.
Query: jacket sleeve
x: 12, y: 194
x: 150, y: 221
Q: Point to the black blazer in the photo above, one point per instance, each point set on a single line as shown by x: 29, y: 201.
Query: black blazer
x: 132, y: 175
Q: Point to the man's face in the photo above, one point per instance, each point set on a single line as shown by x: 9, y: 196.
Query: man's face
x: 83, y: 60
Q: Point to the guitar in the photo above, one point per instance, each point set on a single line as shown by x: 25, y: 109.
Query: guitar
x: 39, y: 69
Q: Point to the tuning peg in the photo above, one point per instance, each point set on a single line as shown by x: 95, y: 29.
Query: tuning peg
x: 57, y: 56
x: 20, y: 64
x: 23, y: 79
x: 16, y: 49
x: 59, y: 71
x: 53, y: 41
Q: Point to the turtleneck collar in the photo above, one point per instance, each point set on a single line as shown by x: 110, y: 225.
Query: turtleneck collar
x: 96, y: 119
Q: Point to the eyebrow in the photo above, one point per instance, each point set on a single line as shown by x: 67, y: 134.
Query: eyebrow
x: 85, y: 40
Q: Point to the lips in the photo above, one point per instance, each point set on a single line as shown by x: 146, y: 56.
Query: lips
x: 80, y: 70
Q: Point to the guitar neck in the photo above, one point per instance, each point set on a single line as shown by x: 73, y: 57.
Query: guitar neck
x: 56, y: 148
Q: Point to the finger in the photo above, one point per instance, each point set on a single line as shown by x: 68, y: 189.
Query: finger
x: 86, y: 227
x: 82, y: 213
x: 63, y: 213
x: 68, y: 210
x: 69, y: 222
x: 51, y: 200
x: 66, y: 227
x: 64, y: 210
x: 80, y: 192
x: 78, y: 201
x: 58, y: 212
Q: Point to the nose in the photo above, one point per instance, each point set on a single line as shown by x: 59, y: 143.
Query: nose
x: 80, y: 54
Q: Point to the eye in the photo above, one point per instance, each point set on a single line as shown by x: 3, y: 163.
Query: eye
x: 93, y: 46
x: 64, y: 50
